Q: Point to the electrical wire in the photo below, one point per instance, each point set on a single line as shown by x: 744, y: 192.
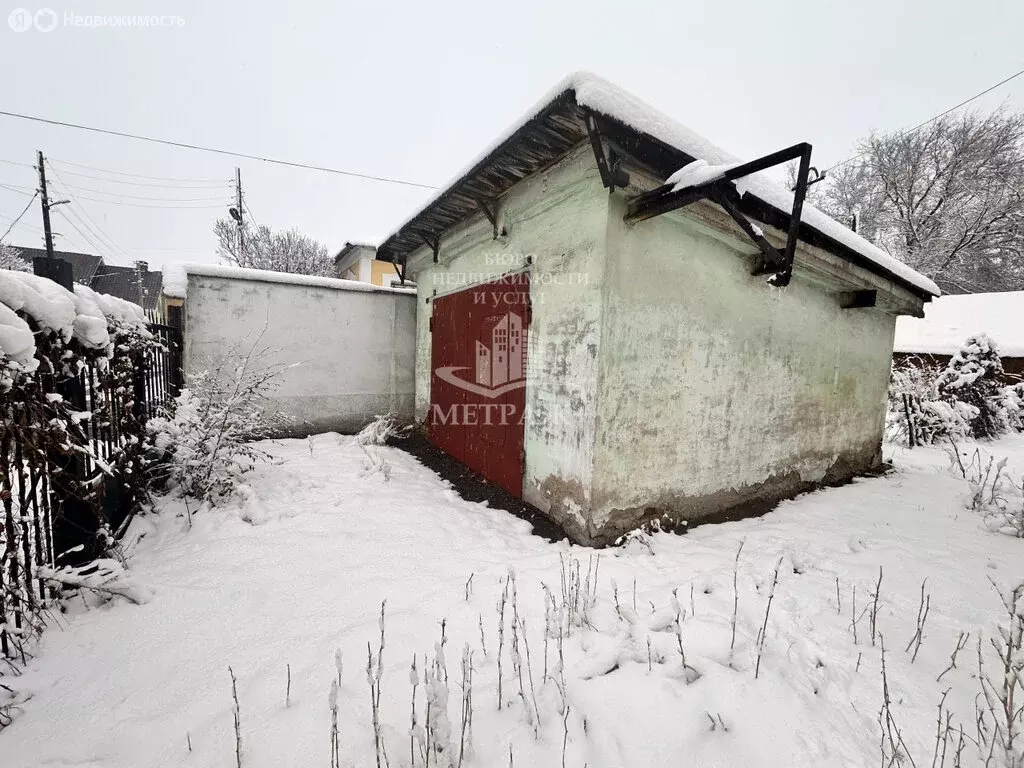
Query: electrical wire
x: 211, y: 184
x: 214, y: 150
x: 17, y: 189
x: 15, y: 222
x: 101, y: 251
x: 14, y: 162
x: 921, y: 125
x: 59, y: 161
x: 92, y: 191
x: 96, y: 229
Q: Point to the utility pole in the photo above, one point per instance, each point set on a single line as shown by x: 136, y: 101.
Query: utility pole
x: 240, y: 219
x: 46, y: 204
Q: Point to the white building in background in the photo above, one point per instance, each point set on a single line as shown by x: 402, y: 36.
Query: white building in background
x: 358, y: 261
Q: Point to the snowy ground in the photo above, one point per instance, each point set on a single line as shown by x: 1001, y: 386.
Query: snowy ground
x: 300, y: 571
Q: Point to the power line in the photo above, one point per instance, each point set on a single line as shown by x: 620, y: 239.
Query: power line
x: 921, y: 125
x: 231, y: 153
x: 200, y: 186
x: 144, y: 197
x: 131, y: 175
x: 15, y: 222
x: 145, y: 205
x: 17, y: 189
x: 97, y: 229
x: 12, y: 162
x: 86, y: 238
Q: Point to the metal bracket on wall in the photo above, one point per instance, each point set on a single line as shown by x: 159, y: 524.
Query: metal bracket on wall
x: 434, y: 245
x: 858, y: 299
x: 612, y: 175
x: 664, y: 199
x: 490, y: 210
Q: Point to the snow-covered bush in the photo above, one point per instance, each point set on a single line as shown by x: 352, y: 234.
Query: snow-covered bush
x: 205, y: 447
x: 973, y: 376
x: 916, y: 413
x: 965, y: 399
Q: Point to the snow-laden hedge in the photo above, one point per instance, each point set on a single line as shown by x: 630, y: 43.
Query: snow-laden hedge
x: 57, y: 314
x: 69, y: 361
x: 969, y: 398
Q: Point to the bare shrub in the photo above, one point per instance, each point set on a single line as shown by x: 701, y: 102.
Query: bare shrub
x: 207, y: 444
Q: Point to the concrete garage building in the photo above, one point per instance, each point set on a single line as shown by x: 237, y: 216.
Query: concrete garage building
x: 615, y: 339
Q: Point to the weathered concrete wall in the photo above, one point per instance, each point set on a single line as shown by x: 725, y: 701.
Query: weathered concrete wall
x: 353, y: 350
x: 716, y: 388
x: 558, y: 220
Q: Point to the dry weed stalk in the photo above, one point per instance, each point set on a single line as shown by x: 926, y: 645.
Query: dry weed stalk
x: 922, y: 617
x: 1003, y: 693
x: 236, y: 711
x: 893, y: 748
x: 874, y: 606
x: 961, y: 642
x: 764, y: 626
x: 735, y: 596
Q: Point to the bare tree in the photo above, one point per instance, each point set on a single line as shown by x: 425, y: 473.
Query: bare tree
x: 281, y: 251
x: 947, y: 199
x: 10, y: 258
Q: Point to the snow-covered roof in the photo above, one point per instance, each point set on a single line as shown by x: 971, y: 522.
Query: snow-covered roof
x: 949, y: 320
x: 594, y: 93
x: 176, y: 279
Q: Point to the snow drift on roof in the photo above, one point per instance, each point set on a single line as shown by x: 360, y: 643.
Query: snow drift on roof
x: 949, y: 320
x: 176, y: 279
x: 598, y: 94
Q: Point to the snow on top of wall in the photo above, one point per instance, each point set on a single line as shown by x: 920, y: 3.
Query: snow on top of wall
x: 949, y: 320
x: 608, y: 99
x: 175, y: 282
x: 82, y: 315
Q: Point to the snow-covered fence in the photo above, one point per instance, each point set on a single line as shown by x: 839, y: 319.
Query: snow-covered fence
x: 79, y: 374
x: 346, y: 349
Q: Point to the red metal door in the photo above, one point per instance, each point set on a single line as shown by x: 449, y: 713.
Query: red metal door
x: 478, y: 378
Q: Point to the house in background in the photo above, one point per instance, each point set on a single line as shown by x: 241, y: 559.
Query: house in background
x: 137, y: 284
x: 950, y: 320
x: 681, y: 361
x: 83, y: 265
x: 358, y: 261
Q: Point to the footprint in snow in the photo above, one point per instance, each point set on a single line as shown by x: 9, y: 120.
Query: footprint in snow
x: 856, y: 544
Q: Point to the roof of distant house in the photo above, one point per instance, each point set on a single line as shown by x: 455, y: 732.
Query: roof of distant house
x: 949, y: 320
x: 556, y: 125
x: 83, y: 265
x: 141, y: 287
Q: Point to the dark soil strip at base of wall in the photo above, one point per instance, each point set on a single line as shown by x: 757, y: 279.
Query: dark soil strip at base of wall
x: 473, y: 487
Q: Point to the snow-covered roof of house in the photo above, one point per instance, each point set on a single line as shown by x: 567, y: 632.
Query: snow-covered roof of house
x: 949, y: 320
x: 176, y: 279
x: 556, y: 125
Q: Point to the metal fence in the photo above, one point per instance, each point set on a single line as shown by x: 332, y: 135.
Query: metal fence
x: 47, y: 519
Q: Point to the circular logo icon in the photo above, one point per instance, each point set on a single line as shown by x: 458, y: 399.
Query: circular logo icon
x: 20, y: 20
x: 46, y: 20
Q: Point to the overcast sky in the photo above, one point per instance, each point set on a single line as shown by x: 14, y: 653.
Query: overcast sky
x: 415, y: 90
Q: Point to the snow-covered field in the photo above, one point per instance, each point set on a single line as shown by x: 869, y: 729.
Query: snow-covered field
x: 301, y: 568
